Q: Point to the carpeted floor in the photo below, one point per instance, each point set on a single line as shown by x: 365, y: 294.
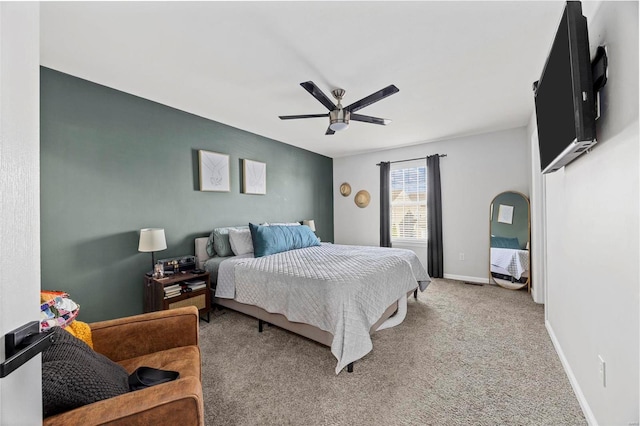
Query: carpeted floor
x: 465, y: 355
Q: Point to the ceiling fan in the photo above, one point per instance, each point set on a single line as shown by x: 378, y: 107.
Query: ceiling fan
x: 339, y: 116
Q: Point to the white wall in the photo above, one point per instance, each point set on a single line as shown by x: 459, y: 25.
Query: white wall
x: 592, y: 214
x: 537, y: 208
x: 476, y: 169
x: 20, y: 392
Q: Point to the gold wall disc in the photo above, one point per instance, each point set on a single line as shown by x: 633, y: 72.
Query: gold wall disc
x: 362, y: 198
x: 345, y: 189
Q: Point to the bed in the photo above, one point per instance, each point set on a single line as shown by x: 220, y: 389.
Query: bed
x: 334, y: 294
x: 510, y: 267
x: 512, y: 262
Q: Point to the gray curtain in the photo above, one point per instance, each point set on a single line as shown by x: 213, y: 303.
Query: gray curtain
x: 385, y: 205
x: 435, y: 261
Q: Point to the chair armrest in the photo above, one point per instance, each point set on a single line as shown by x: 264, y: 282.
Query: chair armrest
x: 178, y: 402
x: 130, y: 337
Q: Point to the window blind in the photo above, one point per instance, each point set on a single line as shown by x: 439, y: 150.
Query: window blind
x: 409, y: 204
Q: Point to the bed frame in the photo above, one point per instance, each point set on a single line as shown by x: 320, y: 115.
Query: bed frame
x: 309, y: 331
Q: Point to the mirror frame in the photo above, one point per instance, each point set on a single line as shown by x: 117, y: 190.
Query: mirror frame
x: 504, y: 283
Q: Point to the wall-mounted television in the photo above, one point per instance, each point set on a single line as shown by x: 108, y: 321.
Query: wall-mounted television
x: 564, y: 95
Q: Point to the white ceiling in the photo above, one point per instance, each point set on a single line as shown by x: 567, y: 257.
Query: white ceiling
x: 461, y: 67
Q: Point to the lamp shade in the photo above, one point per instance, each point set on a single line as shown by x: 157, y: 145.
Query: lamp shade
x: 152, y: 239
x: 310, y: 223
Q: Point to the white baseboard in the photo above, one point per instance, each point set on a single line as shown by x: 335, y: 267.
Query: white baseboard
x: 586, y: 410
x: 465, y: 278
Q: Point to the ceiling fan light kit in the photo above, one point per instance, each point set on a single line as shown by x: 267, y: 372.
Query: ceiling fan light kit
x: 339, y: 119
x: 338, y: 116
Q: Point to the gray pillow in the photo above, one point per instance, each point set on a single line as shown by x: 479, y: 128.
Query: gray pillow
x: 240, y: 240
x: 221, y: 243
x: 211, y: 251
x: 74, y: 375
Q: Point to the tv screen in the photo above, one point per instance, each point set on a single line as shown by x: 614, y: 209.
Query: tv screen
x: 564, y: 94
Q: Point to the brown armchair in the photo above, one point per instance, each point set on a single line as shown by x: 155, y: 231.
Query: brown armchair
x: 167, y: 340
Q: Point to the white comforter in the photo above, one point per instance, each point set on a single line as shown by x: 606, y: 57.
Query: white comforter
x: 516, y: 262
x: 340, y: 289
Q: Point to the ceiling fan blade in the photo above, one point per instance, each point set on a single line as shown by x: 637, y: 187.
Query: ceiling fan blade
x: 329, y: 131
x: 310, y: 87
x: 369, y: 119
x: 292, y: 117
x: 374, y: 97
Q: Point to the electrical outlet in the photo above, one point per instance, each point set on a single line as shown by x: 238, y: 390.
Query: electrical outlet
x: 461, y: 256
x: 603, y: 371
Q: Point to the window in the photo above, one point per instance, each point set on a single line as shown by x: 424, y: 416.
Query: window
x: 409, y: 203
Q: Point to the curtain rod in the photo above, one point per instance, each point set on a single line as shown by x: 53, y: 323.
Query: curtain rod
x: 413, y: 159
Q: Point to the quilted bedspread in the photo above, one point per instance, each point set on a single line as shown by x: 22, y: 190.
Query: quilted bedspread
x: 516, y: 262
x: 340, y: 289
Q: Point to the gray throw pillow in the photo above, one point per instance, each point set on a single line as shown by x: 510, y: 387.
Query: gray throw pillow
x: 74, y: 375
x: 240, y: 240
x: 211, y: 251
x: 221, y: 242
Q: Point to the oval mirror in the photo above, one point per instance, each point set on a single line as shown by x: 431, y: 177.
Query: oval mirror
x: 510, y: 230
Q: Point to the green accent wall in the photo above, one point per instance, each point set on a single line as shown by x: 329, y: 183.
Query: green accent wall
x: 113, y: 163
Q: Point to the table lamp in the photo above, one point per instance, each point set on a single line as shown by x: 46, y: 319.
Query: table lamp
x: 152, y: 240
x: 310, y: 223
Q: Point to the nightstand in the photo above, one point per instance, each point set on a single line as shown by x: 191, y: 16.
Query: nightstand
x: 176, y: 291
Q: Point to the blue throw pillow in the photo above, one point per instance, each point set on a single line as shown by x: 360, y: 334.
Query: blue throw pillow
x: 276, y: 239
x: 505, y: 242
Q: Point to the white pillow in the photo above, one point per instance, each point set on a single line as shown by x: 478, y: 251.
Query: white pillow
x: 240, y: 240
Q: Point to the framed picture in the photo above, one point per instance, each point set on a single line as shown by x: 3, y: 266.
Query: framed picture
x: 214, y: 171
x: 254, y: 177
x: 505, y: 214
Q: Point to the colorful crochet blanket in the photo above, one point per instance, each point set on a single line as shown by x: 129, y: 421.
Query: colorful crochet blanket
x: 56, y: 309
